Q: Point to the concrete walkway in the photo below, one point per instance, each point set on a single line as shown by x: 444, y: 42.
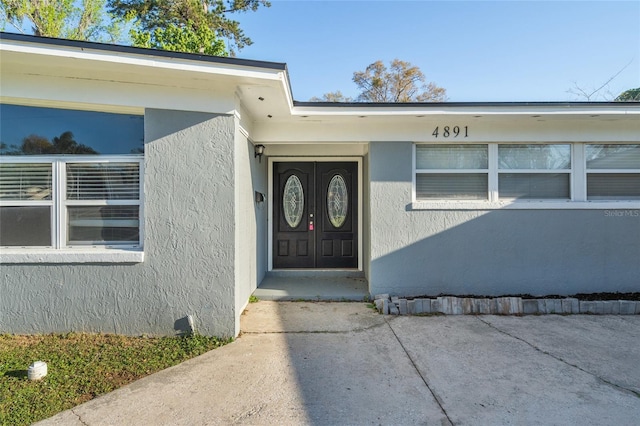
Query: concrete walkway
x: 342, y: 364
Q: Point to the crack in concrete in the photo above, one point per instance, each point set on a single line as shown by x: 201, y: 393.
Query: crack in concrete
x: 79, y: 418
x: 558, y: 358
x: 424, y: 379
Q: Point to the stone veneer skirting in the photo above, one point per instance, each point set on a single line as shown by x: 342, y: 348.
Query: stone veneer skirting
x: 451, y: 305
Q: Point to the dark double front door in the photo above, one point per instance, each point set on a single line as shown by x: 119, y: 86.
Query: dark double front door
x: 315, y: 215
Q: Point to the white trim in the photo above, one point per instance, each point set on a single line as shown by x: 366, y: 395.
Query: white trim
x: 462, y: 110
x: 578, y: 163
x: 270, y: 204
x: 526, y: 205
x: 414, y: 175
x: 59, y: 211
x: 452, y: 171
x: 612, y: 171
x: 94, y: 255
x: 578, y: 173
x: 59, y: 206
x: 77, y: 106
x: 493, y: 177
x: 142, y: 59
x: 71, y: 158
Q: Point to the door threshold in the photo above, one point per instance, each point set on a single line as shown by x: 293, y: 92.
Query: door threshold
x: 313, y: 288
x: 316, y: 273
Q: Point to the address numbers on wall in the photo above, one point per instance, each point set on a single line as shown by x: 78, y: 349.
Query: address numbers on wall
x: 451, y: 132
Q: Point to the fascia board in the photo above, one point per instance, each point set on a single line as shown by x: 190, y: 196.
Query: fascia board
x: 143, y: 60
x: 439, y: 110
x: 286, y: 86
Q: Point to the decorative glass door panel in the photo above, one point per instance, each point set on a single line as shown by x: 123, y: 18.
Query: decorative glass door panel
x: 293, y: 201
x: 337, y: 201
x: 315, y: 220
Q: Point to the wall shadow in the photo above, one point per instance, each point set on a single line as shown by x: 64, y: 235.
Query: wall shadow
x: 538, y: 252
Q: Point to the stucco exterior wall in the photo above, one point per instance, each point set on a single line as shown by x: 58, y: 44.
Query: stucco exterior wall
x: 366, y: 218
x: 189, y: 247
x: 494, y: 252
x: 251, y: 223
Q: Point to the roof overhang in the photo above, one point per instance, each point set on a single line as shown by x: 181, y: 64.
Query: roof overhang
x: 262, y: 91
x: 31, y: 56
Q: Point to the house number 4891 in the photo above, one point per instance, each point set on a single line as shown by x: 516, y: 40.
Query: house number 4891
x: 453, y: 132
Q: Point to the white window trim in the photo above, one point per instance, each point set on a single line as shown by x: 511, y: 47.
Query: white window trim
x: 59, y: 251
x: 588, y: 171
x: 578, y: 185
x: 453, y: 171
x: 85, y: 255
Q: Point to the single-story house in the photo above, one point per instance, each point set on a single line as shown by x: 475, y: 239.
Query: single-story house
x: 139, y: 186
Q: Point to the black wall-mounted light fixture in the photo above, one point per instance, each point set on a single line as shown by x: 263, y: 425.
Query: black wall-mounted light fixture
x: 258, y: 151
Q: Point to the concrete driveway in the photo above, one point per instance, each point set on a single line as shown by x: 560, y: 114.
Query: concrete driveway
x: 343, y: 364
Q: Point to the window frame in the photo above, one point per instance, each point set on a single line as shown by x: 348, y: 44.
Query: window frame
x: 59, y: 204
x: 577, y: 181
x: 569, y: 171
x: 33, y: 203
x: 486, y: 171
x: 588, y: 171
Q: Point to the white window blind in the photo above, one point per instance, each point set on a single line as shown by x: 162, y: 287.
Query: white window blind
x: 541, y: 171
x: 534, y: 185
x: 613, y: 186
x: 468, y: 186
x: 452, y: 172
x: 25, y: 181
x: 26, y: 204
x: 103, y: 181
x: 60, y: 202
x: 451, y: 157
x: 613, y: 156
x: 613, y: 171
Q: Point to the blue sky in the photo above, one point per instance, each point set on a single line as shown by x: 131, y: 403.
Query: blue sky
x: 477, y: 50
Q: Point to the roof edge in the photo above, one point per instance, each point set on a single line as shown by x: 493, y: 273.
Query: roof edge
x: 117, y: 48
x: 555, y: 104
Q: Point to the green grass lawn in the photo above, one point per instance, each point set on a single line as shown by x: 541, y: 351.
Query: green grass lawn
x: 81, y: 367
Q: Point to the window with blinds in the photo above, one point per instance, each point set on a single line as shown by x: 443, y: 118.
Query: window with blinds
x: 534, y: 171
x: 65, y: 202
x: 453, y: 172
x: 507, y: 173
x: 103, y: 181
x: 89, y: 186
x: 70, y: 178
x: 25, y: 181
x: 613, y: 172
x: 26, y: 204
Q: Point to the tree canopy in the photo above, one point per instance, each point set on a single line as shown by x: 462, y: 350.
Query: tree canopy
x: 196, y: 26
x: 631, y: 95
x: 400, y: 82
x: 75, y: 20
x: 336, y: 96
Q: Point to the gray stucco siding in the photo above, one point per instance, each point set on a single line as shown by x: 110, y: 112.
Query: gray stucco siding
x: 251, y: 223
x: 188, y: 243
x: 491, y: 252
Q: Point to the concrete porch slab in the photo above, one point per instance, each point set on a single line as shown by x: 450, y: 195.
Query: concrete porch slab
x: 299, y: 287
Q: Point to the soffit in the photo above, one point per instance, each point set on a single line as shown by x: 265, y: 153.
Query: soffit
x: 261, y: 91
x: 265, y: 95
